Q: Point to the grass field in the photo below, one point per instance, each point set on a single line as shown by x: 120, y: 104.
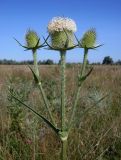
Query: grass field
x: 97, y: 131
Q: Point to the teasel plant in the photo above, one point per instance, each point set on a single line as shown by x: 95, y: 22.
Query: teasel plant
x: 62, y: 39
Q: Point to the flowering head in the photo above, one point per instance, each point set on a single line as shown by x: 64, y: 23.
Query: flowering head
x: 61, y: 30
x: 31, y: 39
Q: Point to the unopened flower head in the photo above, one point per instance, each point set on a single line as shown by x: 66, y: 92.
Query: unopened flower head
x: 31, y: 38
x: 89, y: 38
x: 61, y: 29
x: 58, y: 24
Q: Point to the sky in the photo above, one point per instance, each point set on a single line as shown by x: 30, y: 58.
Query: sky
x: 16, y: 16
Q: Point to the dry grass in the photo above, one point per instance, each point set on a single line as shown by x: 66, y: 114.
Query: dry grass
x: 96, y: 134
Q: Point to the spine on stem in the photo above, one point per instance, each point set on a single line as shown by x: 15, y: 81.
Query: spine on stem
x: 63, y: 64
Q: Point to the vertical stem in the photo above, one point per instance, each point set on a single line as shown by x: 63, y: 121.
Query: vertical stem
x: 64, y: 150
x: 35, y: 63
x: 84, y: 62
x: 63, y: 95
x: 63, y: 53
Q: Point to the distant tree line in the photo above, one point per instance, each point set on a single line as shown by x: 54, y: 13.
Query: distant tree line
x: 106, y: 61
x: 13, y: 62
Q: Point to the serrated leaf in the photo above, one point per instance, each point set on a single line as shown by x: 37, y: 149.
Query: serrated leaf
x: 39, y: 115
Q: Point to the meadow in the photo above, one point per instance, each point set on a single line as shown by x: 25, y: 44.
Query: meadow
x: 96, y: 134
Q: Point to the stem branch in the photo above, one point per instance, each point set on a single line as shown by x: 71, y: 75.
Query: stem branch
x: 78, y: 89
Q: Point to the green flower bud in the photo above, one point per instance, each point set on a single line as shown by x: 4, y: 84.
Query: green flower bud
x: 31, y: 39
x: 89, y: 38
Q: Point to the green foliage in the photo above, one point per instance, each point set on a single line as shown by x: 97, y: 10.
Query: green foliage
x: 107, y: 60
x: 49, y: 62
x: 30, y: 62
x: 15, y: 110
x: 18, y: 148
x: 118, y: 62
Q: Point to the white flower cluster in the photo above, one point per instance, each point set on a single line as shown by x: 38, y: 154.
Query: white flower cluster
x: 59, y: 23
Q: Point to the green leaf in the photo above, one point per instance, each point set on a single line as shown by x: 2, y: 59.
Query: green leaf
x: 39, y: 115
x: 36, y: 78
x: 83, y: 78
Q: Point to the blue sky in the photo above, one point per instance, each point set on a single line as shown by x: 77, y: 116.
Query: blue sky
x: 16, y: 16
